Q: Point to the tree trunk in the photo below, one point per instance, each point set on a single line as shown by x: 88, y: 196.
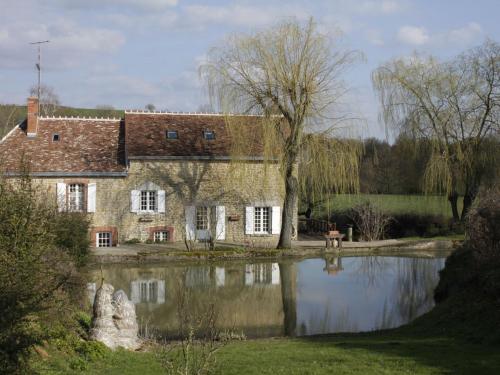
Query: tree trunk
x: 288, y: 278
x: 291, y: 199
x: 453, y: 199
x: 469, y: 196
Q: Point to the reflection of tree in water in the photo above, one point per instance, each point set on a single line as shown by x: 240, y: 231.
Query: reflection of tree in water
x: 371, y: 269
x: 328, y: 321
x: 412, y: 293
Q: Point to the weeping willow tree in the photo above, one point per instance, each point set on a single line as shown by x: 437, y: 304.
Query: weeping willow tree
x: 290, y: 75
x: 455, y: 106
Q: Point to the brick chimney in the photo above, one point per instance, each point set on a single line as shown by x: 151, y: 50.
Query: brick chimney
x: 32, y: 116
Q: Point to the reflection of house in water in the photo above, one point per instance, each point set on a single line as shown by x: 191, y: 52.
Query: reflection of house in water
x: 233, y: 287
x: 333, y: 265
x: 262, y: 273
x: 147, y: 291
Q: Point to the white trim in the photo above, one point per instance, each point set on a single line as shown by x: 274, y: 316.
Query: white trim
x: 249, y: 220
x: 76, y: 118
x: 275, y: 218
x: 10, y: 132
x: 141, y: 112
x: 91, y: 196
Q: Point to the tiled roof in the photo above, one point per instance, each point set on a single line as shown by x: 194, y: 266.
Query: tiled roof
x: 93, y: 146
x: 146, y: 135
x: 84, y: 146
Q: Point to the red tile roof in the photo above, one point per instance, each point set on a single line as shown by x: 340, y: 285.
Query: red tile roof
x: 84, y: 146
x: 146, y: 135
x: 89, y: 146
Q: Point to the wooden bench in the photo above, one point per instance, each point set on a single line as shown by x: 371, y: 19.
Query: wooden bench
x: 332, y: 235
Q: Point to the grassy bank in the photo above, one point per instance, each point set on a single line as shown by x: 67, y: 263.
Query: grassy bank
x: 392, y: 204
x: 390, y: 352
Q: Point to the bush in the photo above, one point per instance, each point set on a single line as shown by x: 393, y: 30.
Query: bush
x: 470, y: 281
x: 39, y: 282
x: 71, y: 231
x: 370, y: 222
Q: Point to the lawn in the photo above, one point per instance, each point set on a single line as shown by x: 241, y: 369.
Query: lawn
x: 393, y: 204
x: 377, y: 353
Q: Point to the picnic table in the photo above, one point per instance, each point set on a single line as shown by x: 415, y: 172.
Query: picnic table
x: 333, y: 235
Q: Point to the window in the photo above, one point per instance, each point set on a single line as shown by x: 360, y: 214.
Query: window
x: 209, y: 135
x: 149, y: 291
x: 75, y: 197
x: 172, y: 134
x: 161, y: 236
x: 201, y: 218
x: 55, y: 137
x: 103, y: 239
x: 261, y: 220
x: 148, y: 200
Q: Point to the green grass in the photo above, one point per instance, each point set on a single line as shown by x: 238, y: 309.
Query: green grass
x: 393, y: 204
x: 378, y: 353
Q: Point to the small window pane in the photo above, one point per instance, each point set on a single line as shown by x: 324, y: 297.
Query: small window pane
x: 201, y: 218
x: 75, y: 197
x: 104, y: 239
x: 161, y: 236
x: 55, y: 137
x: 148, y: 200
x: 209, y: 134
x: 172, y: 134
x: 261, y: 219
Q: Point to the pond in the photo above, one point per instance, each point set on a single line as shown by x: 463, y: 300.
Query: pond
x: 262, y: 299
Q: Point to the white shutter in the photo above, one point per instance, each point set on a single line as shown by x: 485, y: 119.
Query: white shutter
x: 161, y: 201
x: 220, y: 227
x: 161, y: 292
x: 91, y: 197
x: 135, y: 200
x: 220, y: 276
x: 249, y: 220
x: 275, y: 274
x: 135, y: 294
x: 61, y: 196
x: 276, y: 220
x: 190, y: 222
x: 249, y: 274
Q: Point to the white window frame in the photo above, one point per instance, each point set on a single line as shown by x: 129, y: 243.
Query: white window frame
x: 101, y: 236
x: 150, y: 196
x: 209, y: 135
x: 262, y: 220
x: 161, y: 236
x: 76, y: 193
x: 205, y: 216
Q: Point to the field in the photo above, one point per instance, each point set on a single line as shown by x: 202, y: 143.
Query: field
x: 391, y: 204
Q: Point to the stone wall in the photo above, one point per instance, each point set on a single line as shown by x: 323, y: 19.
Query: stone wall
x: 186, y: 183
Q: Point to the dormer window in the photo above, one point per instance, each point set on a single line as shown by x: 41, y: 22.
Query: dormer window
x: 172, y: 134
x: 209, y: 135
x: 55, y: 137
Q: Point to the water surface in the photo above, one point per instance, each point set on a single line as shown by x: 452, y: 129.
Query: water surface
x: 336, y: 294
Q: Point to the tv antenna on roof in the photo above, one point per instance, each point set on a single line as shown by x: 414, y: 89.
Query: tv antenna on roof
x: 39, y: 68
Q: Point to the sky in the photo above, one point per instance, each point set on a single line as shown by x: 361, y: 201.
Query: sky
x: 129, y: 53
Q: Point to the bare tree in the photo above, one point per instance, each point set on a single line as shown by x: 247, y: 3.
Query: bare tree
x: 49, y: 101
x: 291, y: 75
x: 453, y: 104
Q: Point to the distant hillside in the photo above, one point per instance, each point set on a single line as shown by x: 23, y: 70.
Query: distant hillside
x: 11, y: 115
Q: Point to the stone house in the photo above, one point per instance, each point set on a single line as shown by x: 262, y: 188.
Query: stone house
x: 155, y: 176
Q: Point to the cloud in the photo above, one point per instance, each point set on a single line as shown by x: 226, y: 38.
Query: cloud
x: 145, y: 5
x: 70, y: 43
x: 374, y: 37
x: 466, y: 35
x: 463, y: 36
x: 413, y: 35
x: 380, y: 6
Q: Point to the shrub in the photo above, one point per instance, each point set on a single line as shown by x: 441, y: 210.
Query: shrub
x: 370, y: 221
x: 39, y: 280
x: 71, y: 235
x: 133, y: 241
